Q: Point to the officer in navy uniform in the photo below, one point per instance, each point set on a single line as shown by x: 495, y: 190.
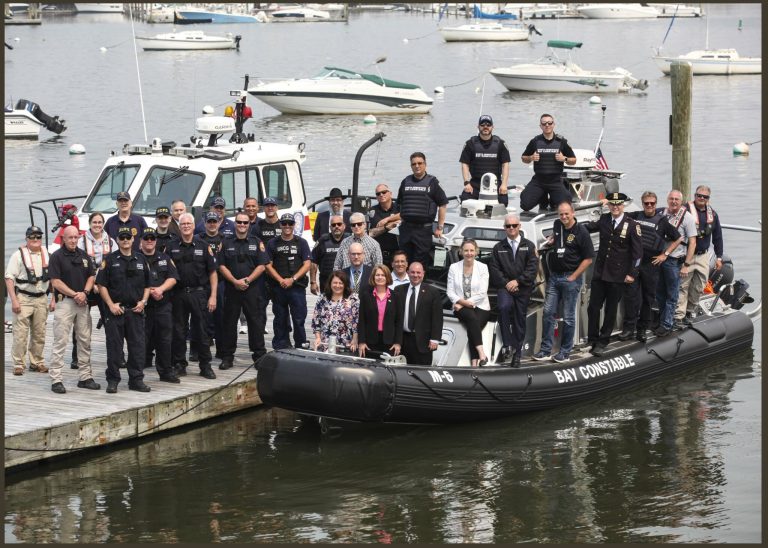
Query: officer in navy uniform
x: 617, y: 264
x: 218, y: 206
x: 194, y: 295
x: 420, y: 196
x: 484, y: 153
x: 241, y: 262
x: 382, y: 218
x: 164, y: 230
x: 123, y: 281
x: 548, y: 152
x: 213, y: 235
x: 289, y: 258
x: 660, y: 238
x: 324, y: 254
x: 163, y: 276
x: 265, y: 229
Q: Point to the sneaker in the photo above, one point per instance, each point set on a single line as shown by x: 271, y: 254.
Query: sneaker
x: 39, y: 368
x: 542, y: 356
x: 561, y: 357
x: 89, y: 384
x: 662, y: 331
x: 58, y: 388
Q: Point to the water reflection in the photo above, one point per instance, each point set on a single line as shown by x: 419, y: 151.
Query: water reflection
x: 634, y: 467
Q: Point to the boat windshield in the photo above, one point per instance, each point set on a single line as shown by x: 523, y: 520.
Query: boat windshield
x: 335, y: 73
x: 163, y: 186
x: 114, y: 179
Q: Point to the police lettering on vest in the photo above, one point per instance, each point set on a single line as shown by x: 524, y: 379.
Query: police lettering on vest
x: 547, y: 165
x: 486, y: 159
x: 417, y: 206
x: 653, y: 242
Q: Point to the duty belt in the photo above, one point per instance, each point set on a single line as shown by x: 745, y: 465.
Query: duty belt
x: 29, y: 293
x: 423, y: 225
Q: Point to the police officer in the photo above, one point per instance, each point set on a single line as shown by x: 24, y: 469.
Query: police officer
x: 226, y: 227
x: 213, y: 236
x: 123, y: 281
x: 26, y: 281
x: 484, y: 153
x: 420, y: 196
x: 125, y: 218
x: 618, y: 257
x: 572, y: 253
x: 324, y: 254
x: 660, y: 239
x: 163, y: 231
x: 72, y: 274
x: 194, y: 295
x: 548, y: 152
x: 289, y: 258
x: 241, y: 263
x: 266, y: 229
x: 382, y: 218
x: 158, y: 314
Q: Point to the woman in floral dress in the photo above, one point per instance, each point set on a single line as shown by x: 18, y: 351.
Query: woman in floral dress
x: 336, y: 314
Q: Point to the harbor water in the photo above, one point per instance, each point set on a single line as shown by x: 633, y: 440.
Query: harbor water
x: 676, y: 460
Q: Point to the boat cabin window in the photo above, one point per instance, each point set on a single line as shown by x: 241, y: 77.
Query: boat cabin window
x: 485, y: 233
x: 164, y: 185
x: 114, y: 179
x: 277, y: 185
x: 235, y: 186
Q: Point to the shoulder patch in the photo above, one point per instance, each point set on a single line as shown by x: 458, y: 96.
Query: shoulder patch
x: 261, y: 247
x: 637, y: 229
x: 103, y: 263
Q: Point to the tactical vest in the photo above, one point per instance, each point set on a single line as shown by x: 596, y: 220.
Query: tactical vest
x: 191, y: 263
x: 486, y: 157
x: 287, y: 257
x: 331, y: 247
x: 417, y: 206
x: 653, y: 243
x: 706, y: 230
x: 547, y: 165
x: 266, y: 231
x: 26, y: 261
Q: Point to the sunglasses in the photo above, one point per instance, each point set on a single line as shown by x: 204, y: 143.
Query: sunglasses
x: 337, y: 224
x: 414, y: 164
x: 486, y: 124
x: 356, y: 224
x: 242, y: 222
x: 212, y: 221
x: 381, y: 192
x: 514, y: 225
x: 547, y: 123
x: 149, y: 238
x: 124, y: 237
x: 35, y: 237
x: 703, y: 196
x: 286, y: 223
x: 649, y: 204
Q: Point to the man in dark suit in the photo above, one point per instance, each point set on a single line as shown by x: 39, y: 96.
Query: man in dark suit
x: 322, y: 222
x: 358, y: 272
x: 512, y: 272
x: 422, y: 317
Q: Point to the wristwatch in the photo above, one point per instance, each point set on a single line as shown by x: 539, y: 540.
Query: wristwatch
x: 439, y: 227
x: 687, y: 264
x: 144, y: 303
x: 247, y: 281
x: 666, y: 253
x: 466, y: 182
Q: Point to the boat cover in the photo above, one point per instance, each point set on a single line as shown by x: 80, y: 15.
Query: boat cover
x: 563, y: 44
x: 376, y: 79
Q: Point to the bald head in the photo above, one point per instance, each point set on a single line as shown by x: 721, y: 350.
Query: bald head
x: 70, y: 236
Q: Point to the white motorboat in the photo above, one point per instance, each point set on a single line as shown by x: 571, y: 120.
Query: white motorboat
x: 547, y: 11
x: 26, y: 119
x: 618, y: 11
x: 227, y: 15
x: 189, y: 40
x: 485, y: 32
x: 99, y: 8
x: 713, y: 61
x: 677, y: 10
x: 341, y: 91
x: 551, y: 73
x: 299, y: 14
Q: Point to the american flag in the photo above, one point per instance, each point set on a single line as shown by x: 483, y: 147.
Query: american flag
x: 600, y: 160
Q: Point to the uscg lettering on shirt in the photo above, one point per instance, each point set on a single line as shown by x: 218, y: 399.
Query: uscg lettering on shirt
x: 594, y: 370
x: 285, y: 249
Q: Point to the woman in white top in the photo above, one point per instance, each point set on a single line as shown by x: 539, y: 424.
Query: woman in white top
x: 468, y: 291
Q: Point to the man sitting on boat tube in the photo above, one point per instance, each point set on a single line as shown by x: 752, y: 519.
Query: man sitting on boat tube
x: 484, y: 153
x: 548, y: 152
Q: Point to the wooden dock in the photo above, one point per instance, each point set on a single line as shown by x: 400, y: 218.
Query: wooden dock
x: 41, y: 425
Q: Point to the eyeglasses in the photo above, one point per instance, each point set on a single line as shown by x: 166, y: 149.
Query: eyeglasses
x: 355, y: 254
x: 35, y: 237
x: 702, y: 196
x: 486, y: 124
x: 356, y: 224
x: 242, y: 222
x: 414, y: 164
x: 512, y: 225
x: 286, y: 223
x: 649, y: 204
x: 381, y: 192
x: 337, y: 224
x: 124, y: 237
x: 547, y: 123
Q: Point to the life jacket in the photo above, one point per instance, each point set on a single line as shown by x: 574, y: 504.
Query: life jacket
x: 26, y: 260
x: 706, y: 230
x: 90, y: 250
x: 486, y: 157
x: 417, y: 206
x: 677, y: 219
x: 547, y: 165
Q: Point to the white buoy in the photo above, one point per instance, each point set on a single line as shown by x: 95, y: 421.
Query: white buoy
x: 77, y: 149
x: 17, y: 39
x: 405, y: 40
x: 439, y: 89
x: 102, y: 49
x: 290, y: 138
x: 741, y: 148
x: 370, y: 119
x: 595, y: 100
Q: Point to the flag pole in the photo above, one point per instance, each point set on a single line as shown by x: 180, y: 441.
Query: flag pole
x: 602, y: 129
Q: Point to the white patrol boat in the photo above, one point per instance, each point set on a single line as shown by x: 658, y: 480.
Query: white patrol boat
x: 220, y: 160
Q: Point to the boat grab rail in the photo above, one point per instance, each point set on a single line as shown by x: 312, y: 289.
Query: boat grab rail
x: 680, y: 342
x: 33, y: 206
x: 495, y: 397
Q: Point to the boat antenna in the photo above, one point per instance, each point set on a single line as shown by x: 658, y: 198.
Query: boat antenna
x: 658, y: 50
x: 482, y: 94
x: 602, y: 130
x: 138, y: 74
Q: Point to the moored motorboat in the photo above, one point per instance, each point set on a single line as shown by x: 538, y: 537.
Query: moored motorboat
x: 617, y: 11
x: 26, y: 119
x: 341, y: 91
x: 299, y: 14
x: 188, y: 40
x: 713, y: 61
x: 550, y: 73
x: 677, y: 10
x: 227, y: 16
x: 485, y: 32
x: 99, y: 8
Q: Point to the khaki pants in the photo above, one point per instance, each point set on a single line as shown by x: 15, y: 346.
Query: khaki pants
x: 67, y: 315
x: 29, y: 330
x: 692, y: 286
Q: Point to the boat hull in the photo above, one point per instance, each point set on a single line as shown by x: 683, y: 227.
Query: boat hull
x: 713, y: 66
x: 181, y: 44
x: 21, y: 125
x: 353, y: 389
x: 595, y: 82
x: 483, y: 33
x: 99, y: 8
x: 218, y: 17
x: 617, y: 11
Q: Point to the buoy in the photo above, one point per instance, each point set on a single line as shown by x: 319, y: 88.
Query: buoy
x: 595, y: 100
x: 17, y: 39
x: 77, y: 149
x: 439, y: 89
x: 740, y: 148
x: 405, y: 40
x: 290, y: 138
x: 370, y: 119
x: 102, y: 49
x: 477, y: 90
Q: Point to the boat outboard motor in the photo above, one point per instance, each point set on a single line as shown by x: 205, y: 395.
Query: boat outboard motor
x: 722, y: 277
x: 51, y: 123
x: 736, y: 295
x: 237, y: 41
x: 532, y: 29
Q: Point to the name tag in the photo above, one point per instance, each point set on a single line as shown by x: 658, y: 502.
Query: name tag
x: 162, y: 263
x: 252, y: 247
x: 560, y: 252
x: 199, y: 252
x: 139, y: 266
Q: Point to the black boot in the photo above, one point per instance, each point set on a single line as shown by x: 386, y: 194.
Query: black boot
x: 627, y: 334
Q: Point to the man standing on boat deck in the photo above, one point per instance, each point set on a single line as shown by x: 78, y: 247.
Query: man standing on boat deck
x: 420, y: 197
x: 26, y: 280
x: 289, y: 258
x: 548, y: 152
x: 512, y: 270
x: 382, y: 218
x: 324, y: 255
x: 322, y: 221
x: 371, y: 246
x: 618, y: 259
x: 422, y: 313
x: 125, y: 218
x: 660, y: 239
x: 678, y: 264
x: 571, y: 255
x: 72, y: 274
x: 195, y: 294
x: 708, y: 232
x: 123, y: 281
x: 484, y: 153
